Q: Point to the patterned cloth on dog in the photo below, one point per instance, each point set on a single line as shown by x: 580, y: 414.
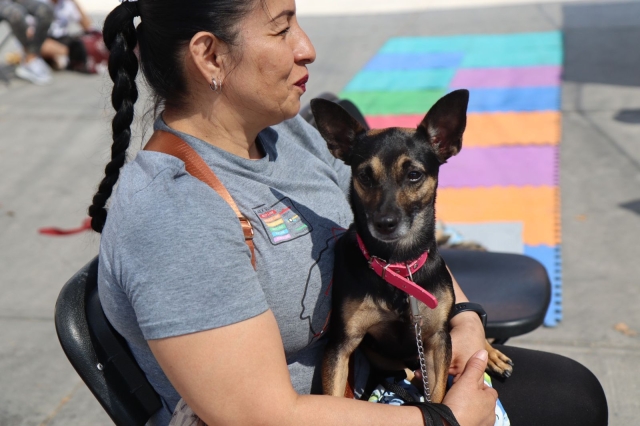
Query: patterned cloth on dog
x: 383, y: 395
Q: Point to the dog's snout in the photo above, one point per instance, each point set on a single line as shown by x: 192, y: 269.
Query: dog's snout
x: 386, y: 224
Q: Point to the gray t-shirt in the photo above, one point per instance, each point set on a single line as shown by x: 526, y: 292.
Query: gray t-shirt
x: 173, y: 258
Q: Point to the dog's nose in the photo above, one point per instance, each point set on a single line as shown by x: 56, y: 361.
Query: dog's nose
x: 386, y: 224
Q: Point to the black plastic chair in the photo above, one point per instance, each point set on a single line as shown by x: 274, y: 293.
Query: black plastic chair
x: 99, y: 354
x: 514, y: 289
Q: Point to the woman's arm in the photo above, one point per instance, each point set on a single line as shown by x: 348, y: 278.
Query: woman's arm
x: 85, y: 21
x: 467, y: 334
x: 238, y: 375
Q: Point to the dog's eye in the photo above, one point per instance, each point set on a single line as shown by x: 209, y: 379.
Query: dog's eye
x: 414, y: 176
x: 364, y: 178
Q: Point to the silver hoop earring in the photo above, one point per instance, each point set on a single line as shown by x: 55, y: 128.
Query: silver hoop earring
x: 214, y: 86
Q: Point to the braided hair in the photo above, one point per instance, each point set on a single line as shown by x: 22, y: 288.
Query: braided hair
x: 164, y: 32
x: 121, y: 40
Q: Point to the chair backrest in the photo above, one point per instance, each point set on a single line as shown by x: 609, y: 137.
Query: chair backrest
x: 99, y: 354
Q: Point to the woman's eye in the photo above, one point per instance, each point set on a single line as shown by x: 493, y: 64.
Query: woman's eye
x: 414, y: 176
x: 285, y: 31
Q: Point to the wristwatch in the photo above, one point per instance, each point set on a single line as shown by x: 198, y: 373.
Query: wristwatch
x: 468, y: 306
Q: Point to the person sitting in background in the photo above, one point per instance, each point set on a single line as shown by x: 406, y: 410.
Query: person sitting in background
x: 32, y: 67
x: 65, y: 50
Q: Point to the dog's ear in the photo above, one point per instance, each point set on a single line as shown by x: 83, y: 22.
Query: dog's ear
x: 445, y: 122
x: 336, y: 126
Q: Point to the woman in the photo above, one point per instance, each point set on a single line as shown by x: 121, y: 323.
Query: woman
x: 62, y: 49
x: 239, y: 345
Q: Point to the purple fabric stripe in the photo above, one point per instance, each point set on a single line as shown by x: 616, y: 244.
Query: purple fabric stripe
x: 502, y: 166
x: 507, y: 77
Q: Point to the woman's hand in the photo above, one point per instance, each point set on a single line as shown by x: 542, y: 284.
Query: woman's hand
x: 471, y: 400
x: 467, y: 338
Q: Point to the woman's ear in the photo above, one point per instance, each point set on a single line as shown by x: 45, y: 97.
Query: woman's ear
x: 209, y: 55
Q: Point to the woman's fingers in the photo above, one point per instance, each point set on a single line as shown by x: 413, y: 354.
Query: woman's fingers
x: 472, y: 402
x: 474, y: 370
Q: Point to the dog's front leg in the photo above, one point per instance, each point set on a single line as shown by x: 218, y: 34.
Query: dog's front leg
x: 335, y: 365
x: 347, y: 331
x: 438, y: 359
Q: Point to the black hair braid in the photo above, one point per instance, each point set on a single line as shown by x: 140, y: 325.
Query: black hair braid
x: 121, y: 39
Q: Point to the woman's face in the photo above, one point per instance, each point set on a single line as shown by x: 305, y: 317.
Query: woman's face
x: 269, y: 77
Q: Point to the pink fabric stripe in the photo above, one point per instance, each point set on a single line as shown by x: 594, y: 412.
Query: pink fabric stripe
x: 501, y: 166
x: 470, y: 78
x: 384, y: 121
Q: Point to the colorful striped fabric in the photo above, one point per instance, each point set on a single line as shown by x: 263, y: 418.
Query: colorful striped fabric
x: 505, y: 179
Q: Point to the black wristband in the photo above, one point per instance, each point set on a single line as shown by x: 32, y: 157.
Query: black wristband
x: 433, y: 414
x: 468, y: 306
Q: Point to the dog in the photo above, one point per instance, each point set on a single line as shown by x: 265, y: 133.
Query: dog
x: 392, y: 195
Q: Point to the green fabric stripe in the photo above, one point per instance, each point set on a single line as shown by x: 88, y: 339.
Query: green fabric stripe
x: 278, y: 228
x: 387, y: 103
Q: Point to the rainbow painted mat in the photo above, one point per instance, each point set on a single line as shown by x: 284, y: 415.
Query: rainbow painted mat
x: 502, y: 190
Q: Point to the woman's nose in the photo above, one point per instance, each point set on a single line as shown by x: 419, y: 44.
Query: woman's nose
x: 304, y: 52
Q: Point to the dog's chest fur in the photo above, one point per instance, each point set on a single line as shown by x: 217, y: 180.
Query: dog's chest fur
x: 363, y: 293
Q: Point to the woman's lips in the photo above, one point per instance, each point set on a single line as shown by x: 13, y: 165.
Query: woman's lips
x: 302, y: 83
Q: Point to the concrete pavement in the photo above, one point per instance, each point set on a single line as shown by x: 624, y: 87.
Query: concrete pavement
x: 54, y: 143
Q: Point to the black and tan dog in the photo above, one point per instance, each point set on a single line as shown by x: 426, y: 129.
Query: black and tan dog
x: 393, y: 192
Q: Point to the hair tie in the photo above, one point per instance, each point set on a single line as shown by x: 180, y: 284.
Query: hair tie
x: 134, y: 4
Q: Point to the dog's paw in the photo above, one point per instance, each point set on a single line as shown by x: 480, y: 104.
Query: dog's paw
x: 499, y: 364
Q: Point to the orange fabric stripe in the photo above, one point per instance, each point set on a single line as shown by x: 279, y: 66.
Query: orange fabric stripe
x: 535, y: 207
x: 513, y: 128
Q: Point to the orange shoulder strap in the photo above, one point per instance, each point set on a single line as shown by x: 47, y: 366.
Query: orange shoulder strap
x: 170, y: 144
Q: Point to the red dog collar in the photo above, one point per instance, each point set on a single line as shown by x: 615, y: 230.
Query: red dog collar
x: 396, y: 274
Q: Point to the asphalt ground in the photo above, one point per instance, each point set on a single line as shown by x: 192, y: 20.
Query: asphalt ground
x: 55, y: 141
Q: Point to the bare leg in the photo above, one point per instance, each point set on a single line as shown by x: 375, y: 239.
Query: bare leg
x: 56, y: 52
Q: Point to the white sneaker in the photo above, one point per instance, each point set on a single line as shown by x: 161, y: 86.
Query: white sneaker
x: 36, y: 71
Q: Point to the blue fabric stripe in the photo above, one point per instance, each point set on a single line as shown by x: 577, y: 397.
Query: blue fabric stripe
x: 414, y: 61
x: 515, y: 99
x: 475, y: 43
x: 532, y: 56
x: 388, y: 81
x: 550, y: 257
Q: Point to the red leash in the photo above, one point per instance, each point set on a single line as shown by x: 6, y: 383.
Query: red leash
x: 396, y: 274
x: 86, y: 226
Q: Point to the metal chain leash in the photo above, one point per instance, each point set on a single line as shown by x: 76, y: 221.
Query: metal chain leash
x: 417, y: 324
x: 423, y: 365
